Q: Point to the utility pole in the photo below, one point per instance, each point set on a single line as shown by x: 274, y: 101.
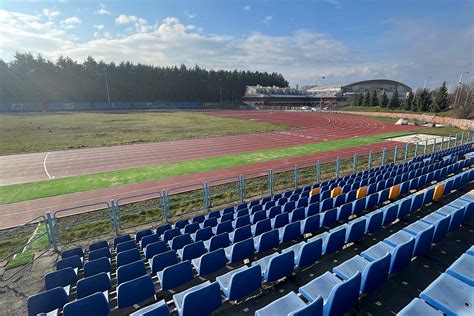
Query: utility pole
x: 107, y: 85
x: 457, y: 96
x: 468, y: 90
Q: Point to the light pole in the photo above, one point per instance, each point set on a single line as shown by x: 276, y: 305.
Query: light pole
x: 107, y: 84
x: 426, y: 80
x: 457, y: 96
x: 468, y: 90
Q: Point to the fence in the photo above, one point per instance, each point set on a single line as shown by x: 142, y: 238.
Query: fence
x: 122, y: 216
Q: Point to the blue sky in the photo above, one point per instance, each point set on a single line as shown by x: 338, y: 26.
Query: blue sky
x: 341, y: 40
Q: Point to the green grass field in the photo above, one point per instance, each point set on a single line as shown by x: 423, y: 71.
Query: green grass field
x: 39, y: 132
x: 379, y: 109
x: 40, y: 189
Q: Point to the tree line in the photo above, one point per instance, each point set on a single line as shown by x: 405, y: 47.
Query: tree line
x: 37, y: 80
x: 423, y: 100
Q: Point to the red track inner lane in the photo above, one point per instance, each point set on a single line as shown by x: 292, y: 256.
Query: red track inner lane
x: 309, y: 128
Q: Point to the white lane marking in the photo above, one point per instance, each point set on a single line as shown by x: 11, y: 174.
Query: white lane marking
x: 46, y: 169
x: 29, y: 240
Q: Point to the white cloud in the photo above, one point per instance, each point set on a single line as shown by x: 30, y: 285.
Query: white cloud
x: 50, y: 14
x: 267, y: 20
x: 141, y: 25
x: 71, y: 22
x: 99, y: 27
x: 247, y: 8
x: 335, y: 3
x: 102, y: 10
x: 190, y: 15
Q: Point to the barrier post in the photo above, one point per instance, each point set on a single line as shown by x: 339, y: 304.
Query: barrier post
x: 241, y: 188
x: 416, y: 149
x: 318, y: 171
x: 270, y: 182
x: 113, y: 207
x: 405, y: 156
x: 449, y: 141
x: 207, y: 199
x: 462, y: 138
x: 426, y: 147
x: 354, y: 163
x: 166, y: 206
x: 296, y: 172
x: 53, y: 241
x: 337, y: 167
x: 395, y: 154
x: 442, y: 142
x: 384, y: 152
x: 456, y: 140
x: 434, y: 145
x: 369, y: 165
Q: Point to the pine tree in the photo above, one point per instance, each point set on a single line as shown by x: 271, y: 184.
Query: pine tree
x: 374, y: 100
x: 366, y: 99
x: 355, y: 99
x: 360, y: 99
x: 409, y: 103
x: 384, y: 100
x: 394, y: 101
x: 423, y: 101
x: 440, y: 103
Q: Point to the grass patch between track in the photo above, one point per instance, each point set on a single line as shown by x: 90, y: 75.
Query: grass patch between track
x: 47, y: 188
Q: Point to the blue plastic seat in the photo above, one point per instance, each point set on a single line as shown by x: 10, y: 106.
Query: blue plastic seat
x: 306, y: 253
x: 289, y: 232
x: 240, y: 234
x: 338, y: 295
x: 358, y: 206
x: 297, y: 214
x: 372, y: 200
x: 154, y: 249
x: 456, y: 214
x: 210, y: 262
x: 462, y: 269
x: 310, y: 224
x: 258, y: 216
x: 203, y: 234
x: 273, y: 211
x: 227, y: 217
x: 373, y: 273
x: 401, y: 254
x: 97, y: 283
x: 100, y: 253
x: 326, y: 205
x: 440, y: 223
x: 157, y: 309
x: 175, y: 275
x: 276, y: 266
x: 162, y: 260
x: 74, y: 262
x: 64, y: 278
x: 344, y: 211
x: 239, y: 251
x: 280, y: 220
x: 243, y: 212
x: 47, y: 301
x: 135, y: 291
x: 261, y: 227
x: 142, y: 233
x: 98, y: 245
x: 291, y: 304
x: 200, y: 300
x: 182, y: 223
x: 72, y: 252
x: 419, y: 307
x: 180, y: 241
x: 121, y: 239
x: 390, y: 213
x: 95, y: 304
x: 130, y: 271
x: 355, y: 229
x: 404, y: 207
x: 332, y: 240
x: 149, y: 239
x: 241, y: 282
x: 171, y: 233
x: 210, y: 222
x: 449, y: 295
x: 373, y: 221
x: 126, y: 245
x: 198, y: 219
x: 192, y: 251
x: 312, y: 209
x: 329, y: 217
x: 417, y: 201
x: 268, y: 205
x: 218, y: 241
x: 423, y: 234
x: 128, y: 256
x: 162, y: 228
x: 241, y: 221
x: 267, y: 241
x: 223, y: 227
x: 97, y: 266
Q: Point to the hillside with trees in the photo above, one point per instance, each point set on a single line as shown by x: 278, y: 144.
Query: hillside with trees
x: 29, y: 79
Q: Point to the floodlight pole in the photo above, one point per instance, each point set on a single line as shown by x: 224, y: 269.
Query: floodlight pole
x: 220, y: 89
x: 107, y: 85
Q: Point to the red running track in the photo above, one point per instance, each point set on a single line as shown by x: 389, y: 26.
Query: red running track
x: 19, y: 213
x: 310, y: 128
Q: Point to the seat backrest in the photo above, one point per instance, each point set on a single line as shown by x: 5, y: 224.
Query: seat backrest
x: 171, y: 233
x: 280, y: 266
x: 374, y: 221
x: 163, y: 260
x: 154, y: 249
x: 142, y: 233
x: 310, y: 252
x: 210, y: 222
x: 130, y: 271
x: 191, y: 228
x: 242, y: 250
x: 245, y: 282
x: 98, y: 245
x: 47, y: 301
x: 206, y: 300
x: 95, y: 304
x: 242, y: 221
x: 193, y: 250
x: 96, y: 283
x: 227, y: 217
x: 401, y: 256
x: 329, y: 217
x: 128, y: 256
x: 298, y: 214
x: 312, y: 209
x: 224, y: 227
x: 274, y: 211
x: 212, y: 262
x: 100, y: 253
x: 146, y: 240
x: 70, y: 262
x: 126, y: 245
x: 269, y: 240
x: 204, y: 234
x: 315, y: 308
x: 291, y: 232
x: 356, y: 230
x: 242, y: 233
x: 180, y: 241
x: 310, y: 224
x: 135, y: 291
x: 121, y: 239
x: 335, y: 240
x: 97, y: 266
x: 343, y: 296
x: 219, y: 241
x: 72, y: 252
x: 180, y: 224
x: 258, y: 216
x: 176, y: 275
x: 375, y: 273
x: 263, y: 226
x: 281, y: 220
x: 63, y: 277
x: 162, y: 228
